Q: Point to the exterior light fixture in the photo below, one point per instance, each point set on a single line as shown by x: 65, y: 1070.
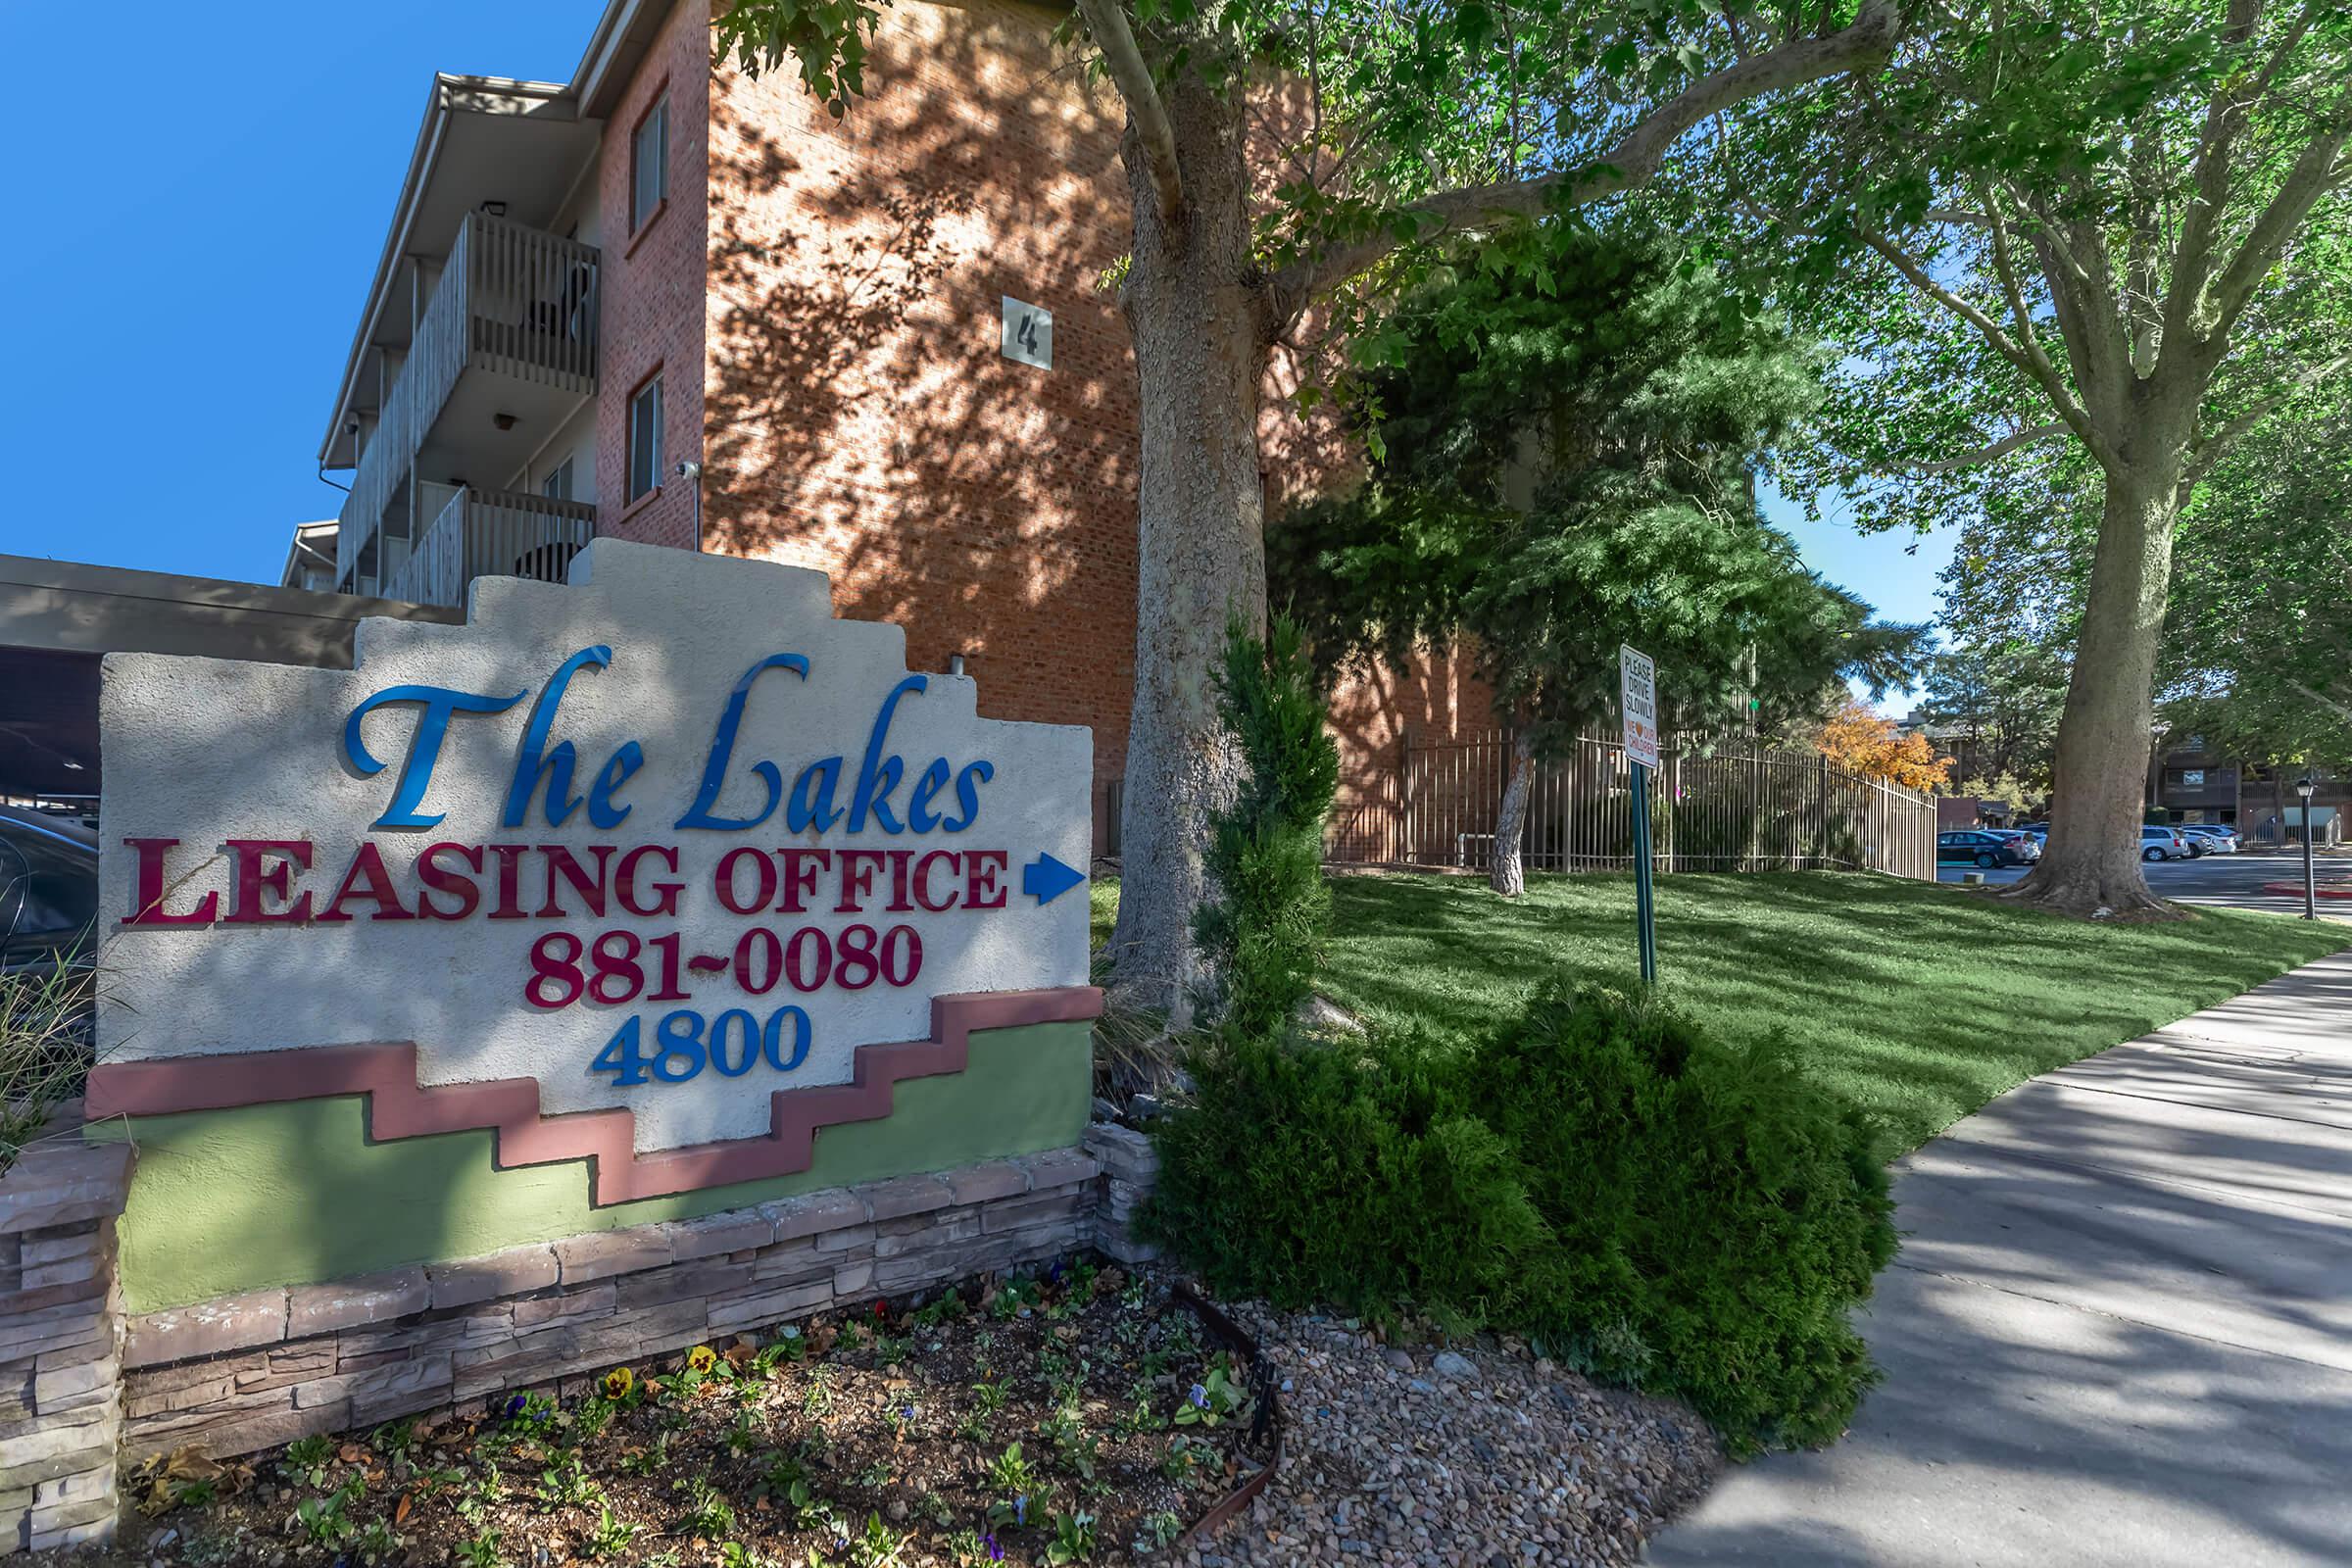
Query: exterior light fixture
x: 495, y: 209
x: 505, y: 421
x: 2304, y: 789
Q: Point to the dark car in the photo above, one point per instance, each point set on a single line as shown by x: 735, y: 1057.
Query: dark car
x: 48, y: 892
x: 1975, y: 846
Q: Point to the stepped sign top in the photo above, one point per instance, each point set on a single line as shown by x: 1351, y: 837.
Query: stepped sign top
x: 670, y: 839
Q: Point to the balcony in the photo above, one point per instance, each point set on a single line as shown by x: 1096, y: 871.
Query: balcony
x: 504, y: 351
x: 491, y: 533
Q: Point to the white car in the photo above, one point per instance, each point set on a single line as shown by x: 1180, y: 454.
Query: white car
x: 2027, y: 845
x: 2160, y: 843
x: 2215, y: 838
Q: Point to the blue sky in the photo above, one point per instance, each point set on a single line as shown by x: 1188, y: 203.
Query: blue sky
x: 190, y: 261
x: 190, y: 251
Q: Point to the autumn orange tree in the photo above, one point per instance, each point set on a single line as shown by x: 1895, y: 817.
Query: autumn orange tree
x: 1869, y: 744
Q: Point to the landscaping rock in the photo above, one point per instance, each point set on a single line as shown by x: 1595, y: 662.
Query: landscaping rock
x: 1494, y: 1463
x: 1319, y: 1014
x: 1450, y: 1364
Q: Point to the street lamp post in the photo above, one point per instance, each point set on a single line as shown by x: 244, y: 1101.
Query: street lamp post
x: 2311, y: 897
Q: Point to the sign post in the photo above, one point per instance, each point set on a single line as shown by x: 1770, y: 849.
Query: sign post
x: 1638, y: 702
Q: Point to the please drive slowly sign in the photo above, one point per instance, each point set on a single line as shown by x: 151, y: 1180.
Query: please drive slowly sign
x: 666, y: 869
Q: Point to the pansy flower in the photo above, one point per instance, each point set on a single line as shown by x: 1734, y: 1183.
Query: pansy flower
x: 619, y: 1382
x: 702, y: 1358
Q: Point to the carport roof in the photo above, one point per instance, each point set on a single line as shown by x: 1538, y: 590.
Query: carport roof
x: 59, y: 617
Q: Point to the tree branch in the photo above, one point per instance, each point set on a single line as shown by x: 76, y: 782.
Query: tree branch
x: 2225, y: 116
x: 2037, y: 365
x: 2021, y: 317
x: 1998, y: 448
x: 1147, y: 111
x: 2313, y: 174
x: 2328, y: 703
x: 1627, y: 166
x: 2210, y: 450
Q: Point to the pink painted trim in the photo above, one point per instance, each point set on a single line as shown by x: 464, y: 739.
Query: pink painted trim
x: 398, y: 1107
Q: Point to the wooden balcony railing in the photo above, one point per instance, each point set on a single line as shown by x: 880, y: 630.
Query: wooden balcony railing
x: 492, y: 533
x: 511, y: 301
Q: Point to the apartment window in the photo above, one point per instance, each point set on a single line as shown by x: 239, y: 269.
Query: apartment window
x: 556, y: 486
x: 645, y: 439
x: 649, y: 164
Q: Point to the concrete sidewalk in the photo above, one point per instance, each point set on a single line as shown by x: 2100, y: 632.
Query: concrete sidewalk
x: 2119, y: 1330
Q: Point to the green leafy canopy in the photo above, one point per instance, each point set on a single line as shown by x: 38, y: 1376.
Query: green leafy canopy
x: 1569, y: 435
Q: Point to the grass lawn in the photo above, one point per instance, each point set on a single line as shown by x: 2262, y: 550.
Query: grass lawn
x: 1916, y: 1001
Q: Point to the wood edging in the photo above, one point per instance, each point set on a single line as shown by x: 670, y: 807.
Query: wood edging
x: 1262, y: 1385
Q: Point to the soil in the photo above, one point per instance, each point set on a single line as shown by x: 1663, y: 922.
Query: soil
x: 1087, y: 1415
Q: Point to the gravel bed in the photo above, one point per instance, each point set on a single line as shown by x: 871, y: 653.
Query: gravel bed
x: 1480, y: 1457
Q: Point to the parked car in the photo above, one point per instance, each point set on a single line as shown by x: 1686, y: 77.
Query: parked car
x: 2160, y: 843
x: 2217, y: 838
x: 2028, y: 846
x: 1975, y: 846
x: 48, y: 892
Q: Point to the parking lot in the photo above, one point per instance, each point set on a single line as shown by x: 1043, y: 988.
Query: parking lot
x: 2232, y: 881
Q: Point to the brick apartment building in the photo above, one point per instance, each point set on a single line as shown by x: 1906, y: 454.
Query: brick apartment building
x: 883, y: 341
x: 2188, y: 783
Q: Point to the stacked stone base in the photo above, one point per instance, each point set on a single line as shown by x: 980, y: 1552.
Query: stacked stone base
x: 1130, y: 1171
x: 251, y: 1371
x: 83, y: 1389
x: 61, y: 1343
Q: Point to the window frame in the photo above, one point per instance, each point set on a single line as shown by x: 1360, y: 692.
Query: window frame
x: 631, y: 494
x: 656, y: 118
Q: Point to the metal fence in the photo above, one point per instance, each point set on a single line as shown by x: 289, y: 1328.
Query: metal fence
x: 1731, y: 806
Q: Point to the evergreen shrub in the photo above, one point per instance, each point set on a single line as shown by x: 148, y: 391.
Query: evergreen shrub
x: 1655, y: 1206
x: 1261, y: 934
x: 1650, y: 1204
x: 1713, y: 1215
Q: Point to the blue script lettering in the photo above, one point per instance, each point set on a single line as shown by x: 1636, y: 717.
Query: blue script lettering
x: 722, y: 749
x: 425, y: 747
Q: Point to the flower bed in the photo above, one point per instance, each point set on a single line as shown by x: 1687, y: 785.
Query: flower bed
x: 1083, y: 1415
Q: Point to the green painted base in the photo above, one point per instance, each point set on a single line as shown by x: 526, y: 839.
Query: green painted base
x: 291, y: 1194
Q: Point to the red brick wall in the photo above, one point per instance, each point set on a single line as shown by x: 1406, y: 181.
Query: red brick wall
x: 839, y: 284
x: 653, y: 283
x: 860, y: 416
x: 1371, y: 711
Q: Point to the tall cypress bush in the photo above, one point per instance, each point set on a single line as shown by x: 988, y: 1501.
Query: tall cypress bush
x: 1263, y: 935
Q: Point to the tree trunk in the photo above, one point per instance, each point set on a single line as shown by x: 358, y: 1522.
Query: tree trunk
x: 2091, y: 865
x: 1199, y: 317
x: 1507, y: 874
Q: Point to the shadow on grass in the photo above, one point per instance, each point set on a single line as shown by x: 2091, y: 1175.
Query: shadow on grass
x: 1916, y: 1002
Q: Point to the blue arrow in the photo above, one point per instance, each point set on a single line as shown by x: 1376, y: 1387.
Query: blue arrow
x: 1046, y: 879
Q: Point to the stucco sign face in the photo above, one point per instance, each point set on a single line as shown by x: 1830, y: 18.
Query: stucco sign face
x: 667, y: 868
